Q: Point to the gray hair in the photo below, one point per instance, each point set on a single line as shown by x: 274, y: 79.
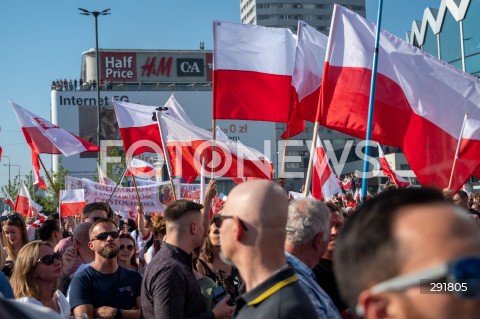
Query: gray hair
x: 306, y: 218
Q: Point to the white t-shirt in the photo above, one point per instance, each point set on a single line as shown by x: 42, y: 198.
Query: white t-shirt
x: 140, y: 242
x: 61, y: 301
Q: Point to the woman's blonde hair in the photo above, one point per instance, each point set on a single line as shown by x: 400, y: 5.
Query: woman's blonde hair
x: 20, y: 223
x: 23, y: 281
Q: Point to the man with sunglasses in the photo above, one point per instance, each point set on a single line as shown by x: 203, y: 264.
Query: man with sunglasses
x: 252, y: 236
x: 410, y: 254
x: 104, y: 289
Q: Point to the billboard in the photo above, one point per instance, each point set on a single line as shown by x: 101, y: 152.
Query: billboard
x: 76, y: 112
x: 126, y: 66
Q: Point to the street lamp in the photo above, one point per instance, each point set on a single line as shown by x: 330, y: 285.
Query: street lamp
x: 8, y: 168
x: 95, y: 14
x: 18, y: 171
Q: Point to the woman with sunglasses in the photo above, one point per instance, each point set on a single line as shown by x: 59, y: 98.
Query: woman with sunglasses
x: 127, y: 253
x: 14, y: 235
x: 35, y: 277
x: 211, y: 265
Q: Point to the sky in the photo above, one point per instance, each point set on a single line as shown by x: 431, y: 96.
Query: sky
x: 44, y: 40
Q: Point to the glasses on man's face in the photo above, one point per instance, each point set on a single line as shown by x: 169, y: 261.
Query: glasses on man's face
x: 104, y: 235
x: 50, y: 259
x: 9, y: 217
x: 129, y: 247
x: 460, y: 277
x: 218, y: 220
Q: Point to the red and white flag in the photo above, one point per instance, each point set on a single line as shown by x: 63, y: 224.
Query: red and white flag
x: 469, y: 147
x: 139, y: 128
x: 188, y: 145
x: 413, y: 100
x: 390, y: 173
x: 307, y: 77
x: 44, y: 137
x: 8, y: 200
x: 324, y: 180
x: 140, y: 168
x: 72, y: 202
x: 24, y: 204
x: 253, y: 67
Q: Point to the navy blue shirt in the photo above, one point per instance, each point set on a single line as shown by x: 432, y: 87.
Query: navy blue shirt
x: 118, y: 290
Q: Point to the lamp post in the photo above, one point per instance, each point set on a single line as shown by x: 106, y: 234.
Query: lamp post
x: 95, y: 14
x: 8, y: 168
x: 18, y: 171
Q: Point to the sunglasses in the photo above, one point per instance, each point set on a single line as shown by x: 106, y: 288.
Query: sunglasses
x: 461, y: 277
x: 50, y: 259
x: 129, y: 247
x: 218, y: 220
x: 104, y: 236
x: 9, y: 217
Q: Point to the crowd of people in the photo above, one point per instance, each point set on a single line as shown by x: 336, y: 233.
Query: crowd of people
x: 410, y: 253
x: 69, y: 85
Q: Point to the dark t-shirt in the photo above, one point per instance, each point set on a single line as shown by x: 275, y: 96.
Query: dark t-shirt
x: 326, y: 279
x: 279, y: 297
x: 170, y: 289
x: 117, y: 290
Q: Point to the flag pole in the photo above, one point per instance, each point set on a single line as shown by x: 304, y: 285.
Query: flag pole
x: 458, y: 149
x: 371, y: 102
x: 214, y: 133
x: 116, y: 186
x: 135, y: 185
x: 308, y: 179
x: 49, y: 178
x: 202, y: 181
x: 166, y: 155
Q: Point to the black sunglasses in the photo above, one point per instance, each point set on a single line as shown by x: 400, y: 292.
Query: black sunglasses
x: 129, y: 247
x: 218, y: 220
x: 10, y: 217
x: 49, y: 259
x: 104, y: 236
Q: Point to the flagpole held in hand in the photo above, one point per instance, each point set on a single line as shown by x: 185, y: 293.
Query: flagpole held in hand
x: 457, y: 150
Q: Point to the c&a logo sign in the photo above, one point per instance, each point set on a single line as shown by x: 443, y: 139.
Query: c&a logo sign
x: 190, y: 67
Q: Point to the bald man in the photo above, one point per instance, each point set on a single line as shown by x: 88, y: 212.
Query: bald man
x: 400, y: 256
x: 252, y: 235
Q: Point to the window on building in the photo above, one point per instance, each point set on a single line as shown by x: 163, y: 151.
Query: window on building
x: 405, y: 167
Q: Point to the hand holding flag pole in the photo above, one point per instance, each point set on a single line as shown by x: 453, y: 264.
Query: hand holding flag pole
x: 458, y: 149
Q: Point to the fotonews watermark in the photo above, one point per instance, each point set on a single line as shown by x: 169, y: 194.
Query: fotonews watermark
x: 231, y: 158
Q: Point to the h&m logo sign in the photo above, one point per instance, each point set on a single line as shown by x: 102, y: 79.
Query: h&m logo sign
x: 190, y: 67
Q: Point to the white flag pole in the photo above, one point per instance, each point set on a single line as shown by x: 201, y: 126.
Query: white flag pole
x: 458, y: 149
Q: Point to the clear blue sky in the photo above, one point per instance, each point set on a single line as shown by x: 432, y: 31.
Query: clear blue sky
x: 44, y: 40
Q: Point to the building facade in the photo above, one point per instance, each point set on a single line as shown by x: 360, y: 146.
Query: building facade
x: 450, y: 33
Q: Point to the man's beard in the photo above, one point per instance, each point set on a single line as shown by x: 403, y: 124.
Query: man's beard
x: 226, y: 260
x: 109, y: 252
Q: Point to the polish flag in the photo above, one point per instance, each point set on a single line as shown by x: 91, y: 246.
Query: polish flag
x: 253, y: 67
x: 238, y: 180
x: 414, y: 99
x: 390, y: 173
x: 41, y: 217
x: 44, y: 137
x: 139, y: 128
x: 140, y: 168
x: 24, y: 204
x: 72, y: 202
x: 188, y: 145
x: 469, y: 147
x: 324, y: 180
x: 8, y: 200
x: 347, y: 183
x: 1, y: 151
x: 307, y: 77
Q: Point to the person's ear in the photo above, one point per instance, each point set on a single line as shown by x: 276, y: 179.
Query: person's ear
x: 193, y: 228
x: 318, y: 242
x: 90, y: 245
x: 238, y: 230
x: 374, y: 306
